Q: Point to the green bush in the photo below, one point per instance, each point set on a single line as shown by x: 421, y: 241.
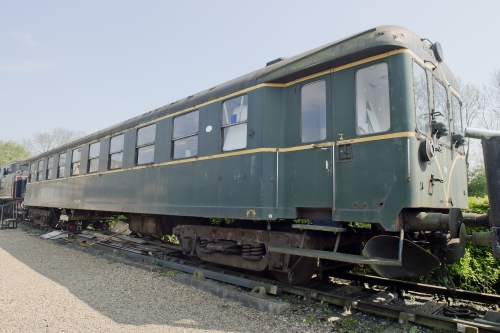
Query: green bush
x: 115, y: 220
x: 477, y: 270
x: 478, y: 205
x: 218, y: 221
x: 477, y: 182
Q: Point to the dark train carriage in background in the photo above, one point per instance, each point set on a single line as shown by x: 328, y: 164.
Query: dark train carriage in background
x: 13, y: 179
x: 365, y: 129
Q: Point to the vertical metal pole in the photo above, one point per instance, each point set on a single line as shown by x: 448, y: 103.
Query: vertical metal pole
x: 334, y: 192
x: 400, y: 252
x: 337, y: 242
x: 277, y: 177
x: 408, y: 157
x: 491, y: 151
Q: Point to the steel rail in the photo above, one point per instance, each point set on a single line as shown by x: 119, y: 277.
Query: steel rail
x: 423, y: 288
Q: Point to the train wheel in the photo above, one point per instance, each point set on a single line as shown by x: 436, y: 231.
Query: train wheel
x: 104, y: 225
x: 52, y: 222
x: 300, y: 271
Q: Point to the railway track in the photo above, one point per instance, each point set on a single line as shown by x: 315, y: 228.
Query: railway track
x: 401, y: 286
x: 368, y: 294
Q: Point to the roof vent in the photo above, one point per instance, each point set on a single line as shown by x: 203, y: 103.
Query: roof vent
x: 272, y: 62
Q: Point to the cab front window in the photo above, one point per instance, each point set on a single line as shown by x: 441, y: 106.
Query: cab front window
x: 440, y: 113
x: 457, y: 115
x: 421, y: 99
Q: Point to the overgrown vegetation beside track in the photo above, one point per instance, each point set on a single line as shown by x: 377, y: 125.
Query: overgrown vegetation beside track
x: 477, y: 270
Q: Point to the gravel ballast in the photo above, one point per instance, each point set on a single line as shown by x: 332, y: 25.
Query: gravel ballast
x: 47, y: 287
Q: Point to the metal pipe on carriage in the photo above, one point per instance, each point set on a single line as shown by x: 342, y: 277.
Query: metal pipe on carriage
x: 476, y: 220
x: 479, y: 133
x: 424, y: 221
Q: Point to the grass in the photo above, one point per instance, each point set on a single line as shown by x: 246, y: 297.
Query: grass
x: 224, y: 306
x: 352, y: 324
x: 168, y: 272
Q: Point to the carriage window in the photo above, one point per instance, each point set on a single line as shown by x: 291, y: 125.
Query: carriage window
x: 441, y: 105
x: 75, y: 162
x: 94, y: 157
x: 116, y: 152
x: 457, y: 115
x: 234, y: 123
x: 145, y: 149
x: 313, y: 111
x: 372, y: 100
x: 33, y: 170
x: 185, y: 138
x: 62, y: 165
x: 50, y: 167
x: 40, y: 170
x: 421, y: 96
x: 457, y: 118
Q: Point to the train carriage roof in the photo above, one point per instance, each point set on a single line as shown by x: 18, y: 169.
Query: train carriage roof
x: 347, y: 50
x: 11, y: 167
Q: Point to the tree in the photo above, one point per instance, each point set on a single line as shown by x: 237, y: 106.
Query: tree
x: 474, y: 106
x: 11, y: 151
x: 45, y: 141
x: 495, y: 95
x: 477, y: 182
x: 480, y: 109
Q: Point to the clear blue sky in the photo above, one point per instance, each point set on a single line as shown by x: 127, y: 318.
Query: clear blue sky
x: 87, y: 65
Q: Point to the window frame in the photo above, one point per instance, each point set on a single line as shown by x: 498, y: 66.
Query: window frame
x: 50, y: 167
x: 61, y: 167
x: 230, y: 125
x: 322, y: 114
x: 453, y: 114
x: 147, y: 144
x: 40, y: 170
x: 33, y: 172
x: 93, y: 160
x: 428, y: 95
x: 186, y: 137
x: 76, y: 161
x: 446, y: 138
x: 386, y: 112
x: 461, y: 149
x: 115, y: 152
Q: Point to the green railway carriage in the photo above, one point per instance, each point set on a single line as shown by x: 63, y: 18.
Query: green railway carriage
x: 365, y: 129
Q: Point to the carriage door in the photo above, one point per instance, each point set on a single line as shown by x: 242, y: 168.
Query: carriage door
x: 313, y: 162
